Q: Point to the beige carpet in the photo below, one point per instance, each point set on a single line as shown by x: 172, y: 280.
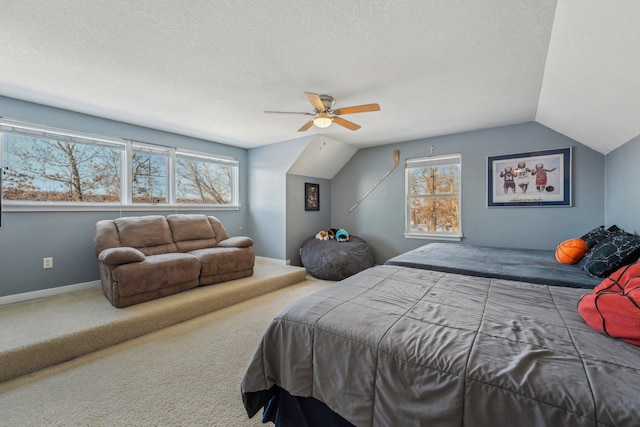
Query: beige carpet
x: 187, y: 374
x: 37, y: 334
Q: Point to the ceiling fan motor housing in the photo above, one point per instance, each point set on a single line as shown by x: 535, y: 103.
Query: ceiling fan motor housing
x: 327, y: 101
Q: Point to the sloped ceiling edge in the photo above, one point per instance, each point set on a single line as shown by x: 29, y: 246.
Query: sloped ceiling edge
x: 322, y: 158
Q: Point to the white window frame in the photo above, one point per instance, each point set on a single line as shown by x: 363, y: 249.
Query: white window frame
x: 449, y: 159
x: 128, y: 147
x: 230, y: 161
x: 134, y: 147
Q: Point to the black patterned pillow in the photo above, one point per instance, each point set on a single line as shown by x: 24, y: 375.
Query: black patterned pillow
x: 595, y: 236
x: 616, y: 250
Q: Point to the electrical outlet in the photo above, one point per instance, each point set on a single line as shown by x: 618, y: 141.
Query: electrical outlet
x: 47, y: 262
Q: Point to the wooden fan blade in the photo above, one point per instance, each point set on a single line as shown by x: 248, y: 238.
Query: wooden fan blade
x: 288, y: 112
x: 306, y: 126
x: 357, y: 109
x: 315, y: 101
x: 346, y: 123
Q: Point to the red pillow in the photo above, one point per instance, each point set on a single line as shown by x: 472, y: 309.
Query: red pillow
x: 613, y: 307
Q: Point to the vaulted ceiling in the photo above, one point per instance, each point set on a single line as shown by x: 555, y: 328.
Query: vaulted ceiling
x: 210, y: 69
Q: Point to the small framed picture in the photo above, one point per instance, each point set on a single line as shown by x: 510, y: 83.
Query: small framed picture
x: 311, y: 197
x: 539, y: 178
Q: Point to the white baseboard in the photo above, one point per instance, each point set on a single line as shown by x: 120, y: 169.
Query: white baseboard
x: 26, y: 296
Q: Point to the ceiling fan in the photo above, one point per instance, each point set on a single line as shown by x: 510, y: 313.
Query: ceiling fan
x: 324, y: 114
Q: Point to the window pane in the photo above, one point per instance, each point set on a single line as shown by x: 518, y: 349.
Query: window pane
x: 203, y: 181
x: 434, y: 180
x: 149, y: 178
x: 433, y: 196
x: 434, y: 215
x: 49, y: 170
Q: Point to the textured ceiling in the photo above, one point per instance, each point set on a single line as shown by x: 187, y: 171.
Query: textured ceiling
x: 210, y: 68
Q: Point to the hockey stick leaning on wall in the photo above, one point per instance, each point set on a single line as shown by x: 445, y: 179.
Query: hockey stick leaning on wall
x: 396, y: 156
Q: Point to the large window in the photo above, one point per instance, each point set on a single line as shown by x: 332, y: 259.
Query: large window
x: 50, y: 167
x: 41, y: 166
x: 433, y: 197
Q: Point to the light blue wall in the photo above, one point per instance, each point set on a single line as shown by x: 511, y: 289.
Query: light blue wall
x: 27, y: 237
x: 301, y: 224
x: 379, y: 219
x: 272, y: 210
x: 622, y: 198
x: 267, y: 196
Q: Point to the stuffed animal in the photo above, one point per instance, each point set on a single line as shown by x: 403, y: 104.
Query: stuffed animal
x: 332, y: 233
x: 322, y: 235
x: 342, y: 236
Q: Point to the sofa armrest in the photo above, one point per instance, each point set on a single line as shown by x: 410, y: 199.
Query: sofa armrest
x: 236, y: 242
x: 121, y: 255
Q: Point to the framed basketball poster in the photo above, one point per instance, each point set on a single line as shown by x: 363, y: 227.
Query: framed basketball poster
x: 538, y: 178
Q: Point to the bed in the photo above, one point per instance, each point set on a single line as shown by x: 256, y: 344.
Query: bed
x: 401, y: 346
x: 526, y: 265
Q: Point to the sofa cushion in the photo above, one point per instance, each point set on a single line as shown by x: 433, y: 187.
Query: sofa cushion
x: 149, y: 234
x: 218, y: 228
x: 156, y: 272
x: 105, y: 236
x: 191, y: 232
x: 224, y: 260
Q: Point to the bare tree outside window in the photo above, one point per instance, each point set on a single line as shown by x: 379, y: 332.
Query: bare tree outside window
x: 41, y: 169
x: 42, y: 164
x: 203, y: 182
x: 433, y: 196
x: 149, y: 178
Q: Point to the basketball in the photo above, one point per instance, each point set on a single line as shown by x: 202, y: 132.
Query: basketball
x: 571, y: 251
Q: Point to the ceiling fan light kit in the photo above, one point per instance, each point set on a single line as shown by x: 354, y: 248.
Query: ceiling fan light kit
x: 322, y: 121
x: 324, y: 114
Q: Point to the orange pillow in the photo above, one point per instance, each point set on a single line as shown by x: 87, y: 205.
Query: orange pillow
x: 571, y: 251
x: 613, y: 307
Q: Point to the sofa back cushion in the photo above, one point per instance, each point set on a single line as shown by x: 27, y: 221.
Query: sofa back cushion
x: 192, y: 232
x: 150, y: 234
x: 105, y: 236
x: 218, y: 228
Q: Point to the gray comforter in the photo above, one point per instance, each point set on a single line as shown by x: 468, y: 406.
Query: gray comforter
x: 397, y: 346
x: 527, y: 265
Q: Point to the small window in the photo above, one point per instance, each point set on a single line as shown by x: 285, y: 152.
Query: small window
x: 205, y: 180
x: 149, y: 174
x: 433, y: 208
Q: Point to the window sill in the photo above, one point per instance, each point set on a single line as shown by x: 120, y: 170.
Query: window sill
x: 449, y: 237
x: 108, y: 207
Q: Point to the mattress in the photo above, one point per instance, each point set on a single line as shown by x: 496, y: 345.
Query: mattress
x: 527, y: 265
x: 398, y: 346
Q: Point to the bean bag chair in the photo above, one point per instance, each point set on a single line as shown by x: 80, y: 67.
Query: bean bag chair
x: 613, y: 307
